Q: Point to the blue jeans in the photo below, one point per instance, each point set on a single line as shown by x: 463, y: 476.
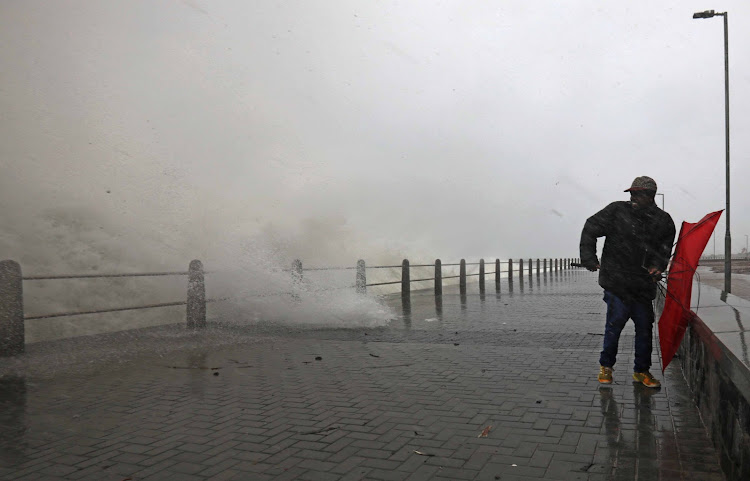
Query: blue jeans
x: 618, y: 313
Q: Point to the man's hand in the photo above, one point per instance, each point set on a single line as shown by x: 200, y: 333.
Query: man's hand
x: 655, y: 273
x: 593, y: 267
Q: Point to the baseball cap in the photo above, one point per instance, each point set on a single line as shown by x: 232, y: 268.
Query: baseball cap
x: 642, y: 183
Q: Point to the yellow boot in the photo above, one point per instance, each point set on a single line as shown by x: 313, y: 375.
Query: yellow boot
x: 646, y: 379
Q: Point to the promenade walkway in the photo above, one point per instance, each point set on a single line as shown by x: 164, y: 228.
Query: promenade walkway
x: 480, y: 387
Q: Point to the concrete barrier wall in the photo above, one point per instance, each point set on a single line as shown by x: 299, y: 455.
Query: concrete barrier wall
x: 714, y: 361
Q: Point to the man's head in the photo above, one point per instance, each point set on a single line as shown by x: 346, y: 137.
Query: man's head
x: 642, y: 191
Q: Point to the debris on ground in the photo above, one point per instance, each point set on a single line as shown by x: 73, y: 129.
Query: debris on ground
x: 422, y: 454
x: 320, y: 431
x: 194, y: 367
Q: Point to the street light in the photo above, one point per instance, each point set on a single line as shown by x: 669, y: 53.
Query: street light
x: 662, y: 201
x: 746, y: 246
x: 727, y: 236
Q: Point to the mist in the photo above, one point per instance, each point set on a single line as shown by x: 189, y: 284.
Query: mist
x: 137, y: 136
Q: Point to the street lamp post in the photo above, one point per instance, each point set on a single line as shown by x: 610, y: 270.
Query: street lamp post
x: 746, y: 246
x: 727, y: 236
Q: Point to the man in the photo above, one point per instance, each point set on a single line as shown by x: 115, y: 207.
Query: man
x: 636, y: 251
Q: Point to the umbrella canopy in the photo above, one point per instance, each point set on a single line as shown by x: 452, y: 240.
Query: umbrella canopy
x: 676, y: 314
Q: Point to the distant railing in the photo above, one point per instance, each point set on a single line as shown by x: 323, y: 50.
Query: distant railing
x: 720, y: 257
x: 12, y: 316
x: 361, y: 284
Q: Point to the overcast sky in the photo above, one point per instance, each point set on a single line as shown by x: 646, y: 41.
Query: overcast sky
x: 161, y: 131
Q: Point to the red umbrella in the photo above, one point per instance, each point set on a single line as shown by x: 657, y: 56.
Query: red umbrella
x: 674, y: 318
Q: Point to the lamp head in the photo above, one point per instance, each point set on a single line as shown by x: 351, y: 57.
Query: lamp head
x: 704, y: 14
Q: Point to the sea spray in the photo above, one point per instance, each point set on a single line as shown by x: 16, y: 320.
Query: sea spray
x: 261, y: 286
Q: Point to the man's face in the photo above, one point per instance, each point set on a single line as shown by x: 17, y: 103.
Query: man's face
x: 641, y: 199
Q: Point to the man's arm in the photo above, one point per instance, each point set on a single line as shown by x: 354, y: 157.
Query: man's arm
x: 596, y: 226
x: 663, y: 248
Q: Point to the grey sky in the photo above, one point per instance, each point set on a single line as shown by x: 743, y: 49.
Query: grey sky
x: 336, y: 130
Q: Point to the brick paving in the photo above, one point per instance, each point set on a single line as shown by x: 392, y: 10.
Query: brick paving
x: 407, y: 401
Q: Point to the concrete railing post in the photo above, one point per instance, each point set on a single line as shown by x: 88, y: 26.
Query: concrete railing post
x: 296, y: 277
x: 555, y: 265
x: 361, y: 279
x: 531, y: 271
x: 520, y: 270
x: 462, y: 277
x: 196, y: 297
x: 405, y: 280
x: 538, y: 271
x: 12, y: 333
x: 438, y: 278
x: 296, y: 271
x: 481, y: 275
x: 545, y: 265
x: 510, y: 271
x: 497, y: 275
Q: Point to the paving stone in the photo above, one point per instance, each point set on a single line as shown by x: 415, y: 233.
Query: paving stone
x: 156, y: 468
x: 357, y: 474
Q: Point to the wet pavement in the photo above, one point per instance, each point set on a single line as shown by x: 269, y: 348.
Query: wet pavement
x: 498, y: 386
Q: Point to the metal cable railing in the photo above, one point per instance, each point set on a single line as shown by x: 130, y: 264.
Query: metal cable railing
x: 94, y: 276
x: 721, y: 257
x: 361, y: 284
x: 13, y: 318
x: 198, y: 272
x: 12, y: 314
x: 100, y: 311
